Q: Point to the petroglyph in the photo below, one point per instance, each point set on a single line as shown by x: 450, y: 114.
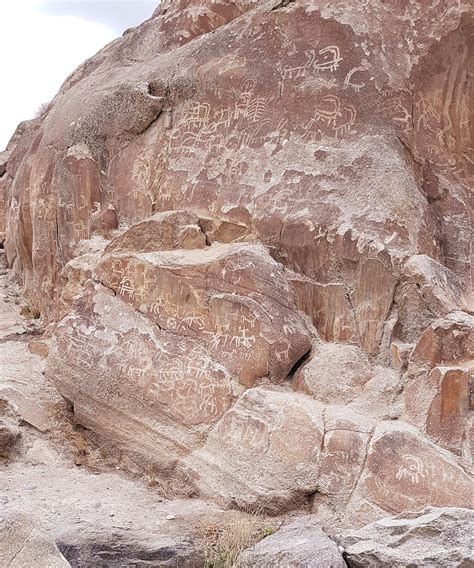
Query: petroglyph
x: 326, y: 59
x: 138, y: 358
x: 412, y: 469
x: 249, y: 106
x: 81, y: 230
x: 331, y: 116
x: 349, y: 83
x: 96, y: 210
x: 193, y: 387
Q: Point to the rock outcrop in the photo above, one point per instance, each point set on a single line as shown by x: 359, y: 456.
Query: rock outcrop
x: 427, y: 539
x: 247, y: 227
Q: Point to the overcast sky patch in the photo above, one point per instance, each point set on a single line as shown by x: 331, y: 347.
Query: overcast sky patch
x: 43, y: 41
x: 118, y: 15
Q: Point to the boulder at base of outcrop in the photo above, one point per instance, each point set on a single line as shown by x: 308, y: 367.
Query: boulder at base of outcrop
x: 104, y: 548
x: 263, y: 454
x: 430, y: 538
x: 23, y: 545
x: 404, y: 471
x: 300, y: 544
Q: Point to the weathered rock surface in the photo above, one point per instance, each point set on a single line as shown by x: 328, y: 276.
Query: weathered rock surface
x: 264, y: 453
x: 129, y: 381
x: 234, y: 299
x: 3, y: 162
x: 405, y: 472
x: 427, y: 539
x: 299, y: 544
x: 342, y: 374
x: 24, y: 545
x: 115, y: 548
x: 248, y: 228
x: 164, y: 231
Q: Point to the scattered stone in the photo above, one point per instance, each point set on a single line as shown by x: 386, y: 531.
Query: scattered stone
x: 40, y: 453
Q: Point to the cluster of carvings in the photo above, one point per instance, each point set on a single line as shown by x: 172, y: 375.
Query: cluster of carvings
x: 258, y: 276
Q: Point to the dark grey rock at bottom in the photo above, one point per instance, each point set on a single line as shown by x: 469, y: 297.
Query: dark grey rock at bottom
x: 300, y: 544
x: 100, y: 547
x: 431, y: 538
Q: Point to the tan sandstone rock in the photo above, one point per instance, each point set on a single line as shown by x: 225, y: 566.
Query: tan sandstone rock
x: 346, y: 438
x: 164, y: 231
x: 446, y: 342
x: 233, y: 298
x: 263, y: 454
x: 152, y: 391
x: 342, y: 374
x: 405, y: 472
x: 324, y: 151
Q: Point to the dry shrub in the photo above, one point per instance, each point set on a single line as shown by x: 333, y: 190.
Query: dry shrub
x: 82, y: 444
x: 223, y: 538
x: 42, y: 109
x: 29, y: 312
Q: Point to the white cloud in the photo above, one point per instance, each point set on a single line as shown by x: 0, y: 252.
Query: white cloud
x: 38, y: 52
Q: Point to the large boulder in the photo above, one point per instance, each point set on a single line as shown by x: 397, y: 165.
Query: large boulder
x: 299, y: 544
x: 150, y: 390
x: 263, y: 454
x: 342, y: 374
x: 168, y: 344
x: 282, y: 192
x: 429, y: 538
x: 234, y: 299
x: 405, y: 472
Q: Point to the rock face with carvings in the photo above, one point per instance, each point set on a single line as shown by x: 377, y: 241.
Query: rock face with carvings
x: 247, y: 226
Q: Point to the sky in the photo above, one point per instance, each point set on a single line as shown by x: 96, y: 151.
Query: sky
x: 43, y: 41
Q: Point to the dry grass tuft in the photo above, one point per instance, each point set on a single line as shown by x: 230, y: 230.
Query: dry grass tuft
x: 29, y: 312
x: 224, y: 539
